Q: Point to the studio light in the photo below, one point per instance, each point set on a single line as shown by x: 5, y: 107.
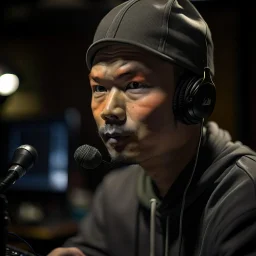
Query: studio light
x: 9, y: 83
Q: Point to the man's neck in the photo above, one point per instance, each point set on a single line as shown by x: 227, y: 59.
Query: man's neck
x: 164, y: 169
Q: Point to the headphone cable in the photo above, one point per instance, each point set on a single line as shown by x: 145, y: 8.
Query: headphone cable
x: 187, y: 187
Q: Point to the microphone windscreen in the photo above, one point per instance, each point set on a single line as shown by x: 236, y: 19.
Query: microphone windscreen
x: 88, y: 157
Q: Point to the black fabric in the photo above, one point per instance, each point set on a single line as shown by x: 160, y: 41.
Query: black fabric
x: 171, y: 29
x: 219, y: 215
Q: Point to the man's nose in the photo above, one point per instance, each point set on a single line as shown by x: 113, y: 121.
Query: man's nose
x: 114, y: 110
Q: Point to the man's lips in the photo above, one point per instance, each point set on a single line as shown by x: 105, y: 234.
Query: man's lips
x: 115, y: 135
x: 114, y: 138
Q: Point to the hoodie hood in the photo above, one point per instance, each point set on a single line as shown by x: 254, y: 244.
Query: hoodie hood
x: 217, y: 152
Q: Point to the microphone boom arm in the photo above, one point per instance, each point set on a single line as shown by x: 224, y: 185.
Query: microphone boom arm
x: 9, y: 180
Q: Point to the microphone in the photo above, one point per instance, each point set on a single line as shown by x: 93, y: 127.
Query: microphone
x: 89, y: 157
x: 23, y: 159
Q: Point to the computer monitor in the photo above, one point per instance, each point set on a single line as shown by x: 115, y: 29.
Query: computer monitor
x: 53, y: 139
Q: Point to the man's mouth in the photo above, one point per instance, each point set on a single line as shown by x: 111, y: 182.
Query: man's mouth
x: 116, y: 138
x: 114, y: 134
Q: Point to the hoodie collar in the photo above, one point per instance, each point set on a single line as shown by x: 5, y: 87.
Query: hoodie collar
x: 216, y: 153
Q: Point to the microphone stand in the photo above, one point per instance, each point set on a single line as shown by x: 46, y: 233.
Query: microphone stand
x: 4, y: 219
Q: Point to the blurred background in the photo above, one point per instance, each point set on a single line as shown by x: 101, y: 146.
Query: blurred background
x: 45, y: 102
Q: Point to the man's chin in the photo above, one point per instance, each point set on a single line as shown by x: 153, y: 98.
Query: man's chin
x: 123, y: 157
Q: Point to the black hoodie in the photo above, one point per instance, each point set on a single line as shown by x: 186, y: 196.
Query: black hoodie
x: 216, y: 217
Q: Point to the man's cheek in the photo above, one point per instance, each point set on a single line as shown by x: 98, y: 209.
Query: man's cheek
x: 96, y: 112
x: 148, y: 105
x: 140, y: 112
x: 151, y: 116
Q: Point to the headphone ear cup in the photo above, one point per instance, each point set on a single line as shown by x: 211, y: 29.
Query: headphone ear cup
x: 194, y: 100
x: 203, y: 101
x: 180, y: 99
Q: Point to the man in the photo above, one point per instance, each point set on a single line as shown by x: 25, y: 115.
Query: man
x: 187, y: 188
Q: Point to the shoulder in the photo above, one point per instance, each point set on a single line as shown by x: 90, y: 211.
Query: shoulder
x: 230, y: 212
x: 244, y: 172
x: 247, y: 164
x: 235, y: 191
x: 240, y: 178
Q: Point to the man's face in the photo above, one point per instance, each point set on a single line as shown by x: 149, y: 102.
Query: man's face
x: 132, y: 97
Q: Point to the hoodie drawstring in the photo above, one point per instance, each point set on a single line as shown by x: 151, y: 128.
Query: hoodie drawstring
x: 152, y: 226
x: 153, y: 230
x: 166, y: 250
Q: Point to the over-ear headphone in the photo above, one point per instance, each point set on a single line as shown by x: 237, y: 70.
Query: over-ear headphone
x: 195, y: 97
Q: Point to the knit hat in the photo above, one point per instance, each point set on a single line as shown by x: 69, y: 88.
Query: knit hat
x: 171, y: 29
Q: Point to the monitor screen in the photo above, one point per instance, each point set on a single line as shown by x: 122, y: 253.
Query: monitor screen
x: 52, y: 140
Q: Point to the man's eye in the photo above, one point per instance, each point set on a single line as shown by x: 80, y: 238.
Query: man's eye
x: 99, y: 88
x: 136, y: 85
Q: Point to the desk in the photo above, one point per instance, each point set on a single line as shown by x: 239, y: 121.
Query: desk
x: 53, y: 230
x: 43, y: 238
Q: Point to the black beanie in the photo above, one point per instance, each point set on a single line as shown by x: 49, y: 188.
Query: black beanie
x: 173, y: 30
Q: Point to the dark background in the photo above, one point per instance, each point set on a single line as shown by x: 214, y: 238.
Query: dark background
x: 46, y: 43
